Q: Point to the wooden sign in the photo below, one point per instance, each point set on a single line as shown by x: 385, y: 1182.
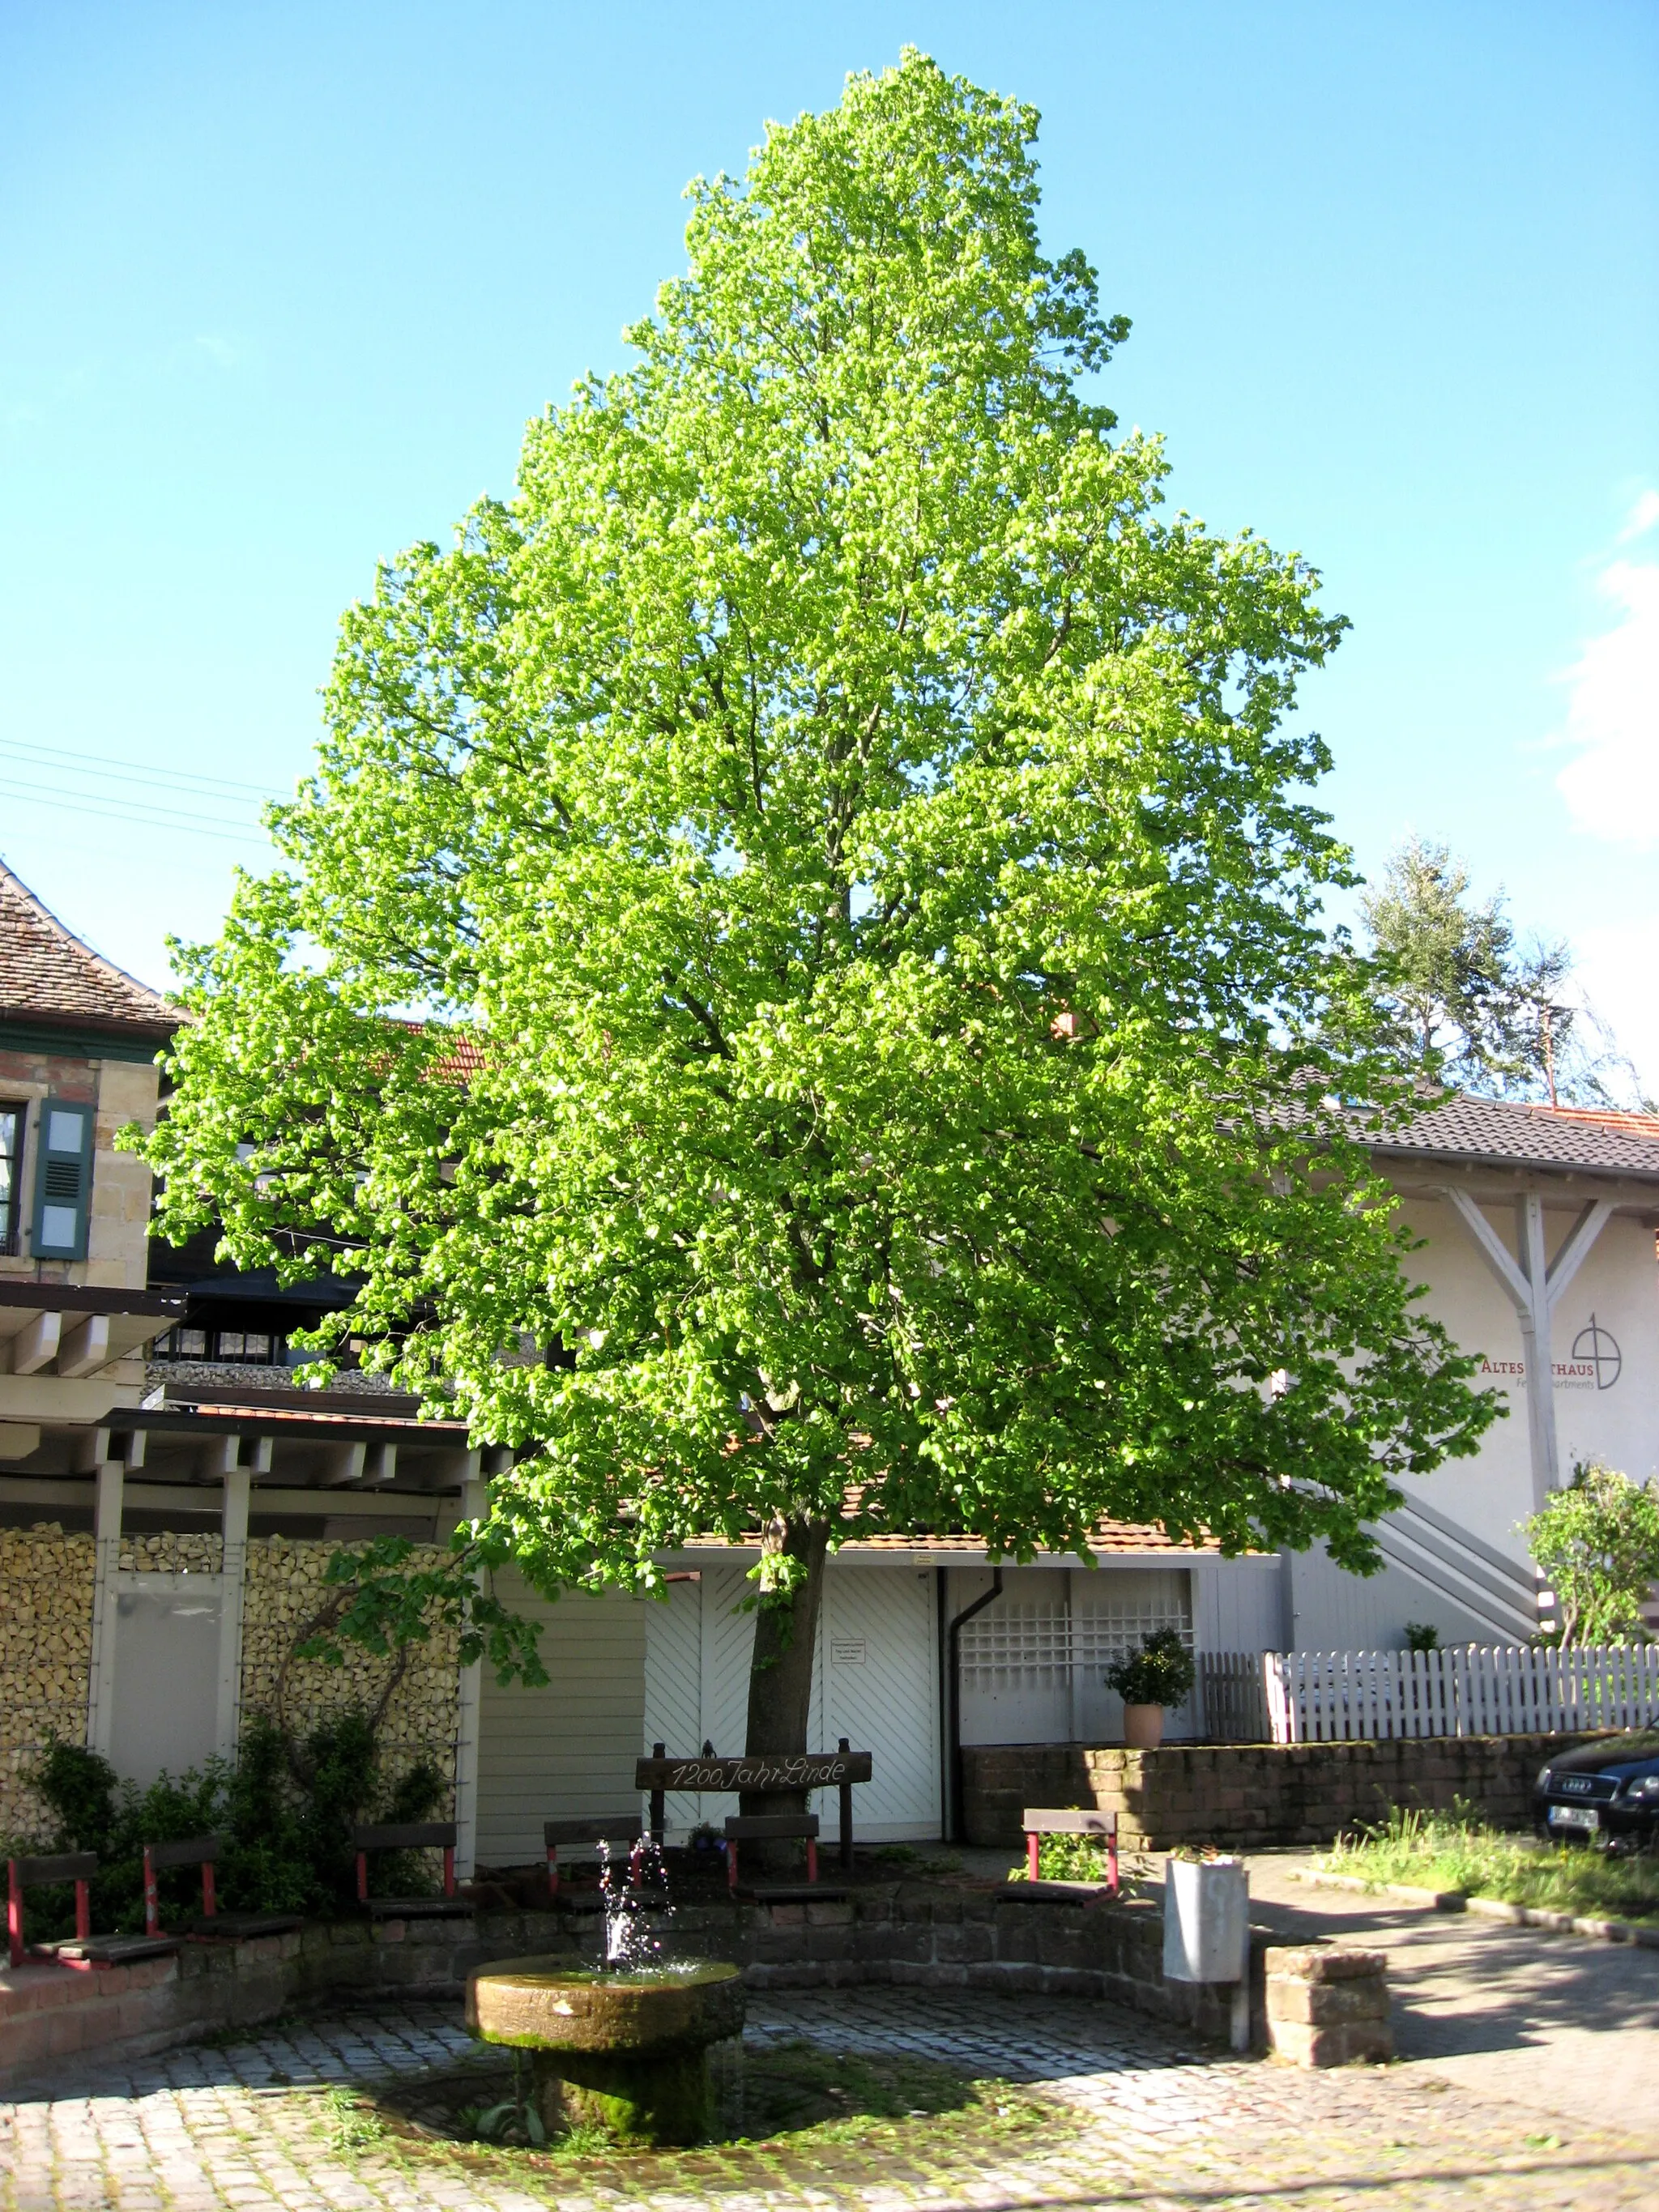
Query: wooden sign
x: 809, y: 1769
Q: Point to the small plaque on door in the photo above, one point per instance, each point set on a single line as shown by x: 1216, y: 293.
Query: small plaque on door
x: 846, y: 1651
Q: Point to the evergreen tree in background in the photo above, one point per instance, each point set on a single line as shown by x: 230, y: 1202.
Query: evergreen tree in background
x: 1467, y: 1003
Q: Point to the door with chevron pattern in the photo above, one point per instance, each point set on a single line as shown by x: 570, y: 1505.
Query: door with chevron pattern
x: 875, y: 1682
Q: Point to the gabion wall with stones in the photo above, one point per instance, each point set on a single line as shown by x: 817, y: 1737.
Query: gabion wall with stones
x: 167, y: 1554
x: 284, y: 1596
x: 45, y: 1659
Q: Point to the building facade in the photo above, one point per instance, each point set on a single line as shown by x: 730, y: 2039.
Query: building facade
x: 169, y: 1500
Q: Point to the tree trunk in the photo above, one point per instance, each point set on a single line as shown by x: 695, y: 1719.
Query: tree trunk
x: 781, y: 1670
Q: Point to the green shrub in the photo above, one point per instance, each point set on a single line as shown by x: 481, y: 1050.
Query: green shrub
x: 284, y: 1811
x: 1162, y: 1673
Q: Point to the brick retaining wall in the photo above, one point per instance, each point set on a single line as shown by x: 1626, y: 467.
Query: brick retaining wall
x: 1249, y: 1796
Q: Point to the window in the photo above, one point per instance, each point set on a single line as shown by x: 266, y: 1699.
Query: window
x: 250, y: 1346
x: 236, y: 1347
x: 182, y: 1343
x: 11, y: 1170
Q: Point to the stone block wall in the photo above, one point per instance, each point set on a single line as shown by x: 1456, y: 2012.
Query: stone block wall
x: 909, y: 1934
x: 46, y: 1658
x: 1251, y: 1796
x: 284, y: 1598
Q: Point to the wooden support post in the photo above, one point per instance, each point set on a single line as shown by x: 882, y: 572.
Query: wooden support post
x: 845, y: 1743
x: 659, y: 1802
x: 106, y: 1558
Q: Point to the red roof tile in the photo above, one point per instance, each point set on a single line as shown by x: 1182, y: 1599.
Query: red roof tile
x: 47, y: 974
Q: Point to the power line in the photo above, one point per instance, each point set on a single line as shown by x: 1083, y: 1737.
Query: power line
x: 187, y: 780
x: 136, y: 812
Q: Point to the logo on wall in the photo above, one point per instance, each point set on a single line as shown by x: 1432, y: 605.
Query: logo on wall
x: 1596, y: 1361
x: 1597, y: 1347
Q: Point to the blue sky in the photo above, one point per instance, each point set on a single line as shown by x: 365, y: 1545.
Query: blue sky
x: 279, y: 286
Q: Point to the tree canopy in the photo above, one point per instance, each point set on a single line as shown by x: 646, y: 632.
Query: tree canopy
x: 1597, y: 1541
x: 1464, y: 998
x: 797, y: 987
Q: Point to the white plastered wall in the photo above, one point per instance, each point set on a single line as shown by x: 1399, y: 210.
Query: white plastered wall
x: 1491, y: 1494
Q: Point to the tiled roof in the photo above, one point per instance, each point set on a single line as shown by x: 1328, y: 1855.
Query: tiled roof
x: 1504, y: 1133
x: 1608, y: 1117
x: 47, y: 974
x: 1109, y: 1537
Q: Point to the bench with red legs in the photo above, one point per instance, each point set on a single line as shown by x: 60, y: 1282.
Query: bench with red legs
x: 1039, y: 1821
x: 583, y: 1835
x: 82, y: 1950
x: 778, y: 1827
x: 410, y: 1836
x: 213, y: 1926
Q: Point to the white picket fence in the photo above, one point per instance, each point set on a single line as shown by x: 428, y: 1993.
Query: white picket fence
x: 1344, y: 1697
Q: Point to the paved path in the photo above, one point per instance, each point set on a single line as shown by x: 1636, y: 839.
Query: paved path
x: 1562, y: 2025
x: 1146, y: 2122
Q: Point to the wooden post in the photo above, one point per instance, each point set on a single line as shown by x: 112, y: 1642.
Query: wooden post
x: 659, y: 1799
x: 152, y: 1902
x: 845, y: 1743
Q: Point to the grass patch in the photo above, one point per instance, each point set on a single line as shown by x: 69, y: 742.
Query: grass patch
x: 350, y: 2123
x: 1455, y: 1851
x: 789, y: 2109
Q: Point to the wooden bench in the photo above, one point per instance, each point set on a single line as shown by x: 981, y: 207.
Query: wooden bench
x: 203, y: 1852
x: 758, y: 1773
x: 577, y: 1835
x: 83, y: 1949
x: 1039, y: 1821
x: 409, y: 1835
x: 772, y: 1827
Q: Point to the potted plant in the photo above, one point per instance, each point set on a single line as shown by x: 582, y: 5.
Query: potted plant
x: 1160, y: 1673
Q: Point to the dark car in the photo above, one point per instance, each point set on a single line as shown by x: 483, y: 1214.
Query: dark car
x: 1606, y: 1791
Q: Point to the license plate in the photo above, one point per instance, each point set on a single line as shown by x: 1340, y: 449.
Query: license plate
x: 1575, y: 1816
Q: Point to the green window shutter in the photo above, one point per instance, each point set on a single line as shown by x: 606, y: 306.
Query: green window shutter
x: 62, y: 1183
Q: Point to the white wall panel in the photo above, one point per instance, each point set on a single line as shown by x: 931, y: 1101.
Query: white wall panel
x: 566, y: 1752
x: 881, y: 1693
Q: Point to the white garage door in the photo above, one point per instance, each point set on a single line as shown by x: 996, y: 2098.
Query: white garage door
x: 875, y: 1682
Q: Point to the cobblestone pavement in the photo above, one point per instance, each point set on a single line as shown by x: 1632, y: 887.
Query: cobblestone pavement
x: 1148, y: 2122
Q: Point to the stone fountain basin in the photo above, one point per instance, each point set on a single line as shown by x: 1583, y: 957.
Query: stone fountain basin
x: 546, y: 2004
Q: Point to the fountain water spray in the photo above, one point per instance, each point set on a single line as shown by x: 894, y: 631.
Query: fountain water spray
x: 628, y: 1896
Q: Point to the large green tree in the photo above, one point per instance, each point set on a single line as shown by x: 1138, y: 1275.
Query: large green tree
x: 797, y: 987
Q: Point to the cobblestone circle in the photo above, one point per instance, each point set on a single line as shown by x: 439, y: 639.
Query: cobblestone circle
x: 1149, y: 2122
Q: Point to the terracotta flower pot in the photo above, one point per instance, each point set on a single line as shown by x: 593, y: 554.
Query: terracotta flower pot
x: 1143, y: 1727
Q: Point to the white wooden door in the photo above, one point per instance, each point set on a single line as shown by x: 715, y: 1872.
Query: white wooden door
x: 874, y: 1681
x: 879, y: 1662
